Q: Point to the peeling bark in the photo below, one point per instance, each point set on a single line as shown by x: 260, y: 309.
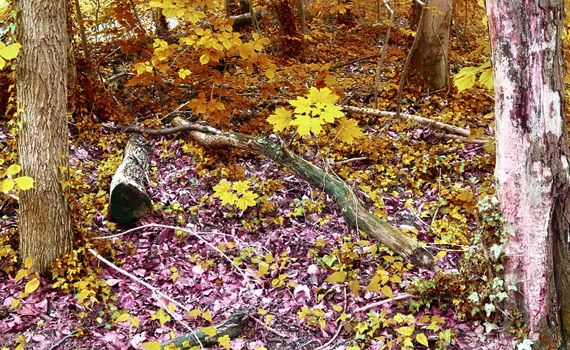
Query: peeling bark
x: 533, y: 180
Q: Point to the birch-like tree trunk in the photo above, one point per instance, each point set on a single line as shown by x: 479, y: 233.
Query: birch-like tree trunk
x: 533, y: 180
x: 41, y: 77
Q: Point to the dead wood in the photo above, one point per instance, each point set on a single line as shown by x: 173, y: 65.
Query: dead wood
x: 352, y: 209
x: 232, y: 327
x: 430, y: 122
x: 129, y: 200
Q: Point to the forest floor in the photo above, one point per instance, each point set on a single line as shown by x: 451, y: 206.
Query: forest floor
x: 274, y: 258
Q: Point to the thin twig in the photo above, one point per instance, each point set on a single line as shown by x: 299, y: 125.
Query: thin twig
x: 356, y: 159
x: 136, y: 279
x: 339, y: 329
x: 272, y: 330
x: 355, y: 60
x: 62, y: 340
x: 210, y: 245
x: 385, y: 301
x: 179, y: 320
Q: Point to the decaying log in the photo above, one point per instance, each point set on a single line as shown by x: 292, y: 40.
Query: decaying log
x: 352, y: 209
x: 232, y: 327
x: 245, y: 19
x: 129, y: 200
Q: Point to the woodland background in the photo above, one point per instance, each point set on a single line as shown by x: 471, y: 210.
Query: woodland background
x: 231, y: 233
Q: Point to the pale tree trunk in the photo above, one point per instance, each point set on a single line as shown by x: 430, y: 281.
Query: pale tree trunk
x: 41, y: 77
x: 431, y: 45
x: 533, y: 180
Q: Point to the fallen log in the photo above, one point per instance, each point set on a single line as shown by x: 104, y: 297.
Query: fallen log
x: 429, y: 122
x: 232, y: 327
x: 353, y: 211
x: 245, y: 19
x: 129, y: 200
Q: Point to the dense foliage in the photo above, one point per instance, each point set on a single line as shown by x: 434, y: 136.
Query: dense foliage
x: 231, y: 230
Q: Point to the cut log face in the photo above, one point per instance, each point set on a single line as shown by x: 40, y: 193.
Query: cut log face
x: 129, y: 200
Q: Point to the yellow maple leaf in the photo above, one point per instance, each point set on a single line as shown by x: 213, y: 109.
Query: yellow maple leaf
x: 306, y: 125
x: 422, y: 339
x: 330, y: 113
x: 223, y: 191
x: 246, y: 200
x: 302, y: 105
x: 324, y: 95
x: 152, y: 345
x: 7, y: 185
x: 348, y: 130
x: 405, y: 331
x: 241, y: 186
x: 281, y: 119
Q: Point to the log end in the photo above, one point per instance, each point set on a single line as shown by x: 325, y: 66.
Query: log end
x: 421, y: 257
x: 128, y: 204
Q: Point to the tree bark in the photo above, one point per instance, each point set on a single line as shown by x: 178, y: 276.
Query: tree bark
x: 129, y: 200
x: 532, y: 171
x: 429, y: 56
x: 41, y: 77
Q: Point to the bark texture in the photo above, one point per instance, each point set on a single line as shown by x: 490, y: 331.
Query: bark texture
x: 429, y: 56
x: 129, y: 200
x: 41, y: 77
x: 533, y: 180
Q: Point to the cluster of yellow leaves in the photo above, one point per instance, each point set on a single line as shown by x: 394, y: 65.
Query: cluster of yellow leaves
x: 236, y: 193
x: 10, y: 182
x: 8, y: 52
x: 311, y: 113
x: 31, y: 286
x: 466, y: 77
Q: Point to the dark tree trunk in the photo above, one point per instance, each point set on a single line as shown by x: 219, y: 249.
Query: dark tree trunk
x: 532, y: 170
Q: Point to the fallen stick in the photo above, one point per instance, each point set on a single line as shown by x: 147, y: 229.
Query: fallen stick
x: 439, y: 125
x: 232, y: 327
x: 355, y: 60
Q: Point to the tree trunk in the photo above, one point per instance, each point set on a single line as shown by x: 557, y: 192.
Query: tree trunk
x: 429, y: 54
x: 291, y: 37
x: 532, y: 174
x: 128, y: 200
x: 41, y: 77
